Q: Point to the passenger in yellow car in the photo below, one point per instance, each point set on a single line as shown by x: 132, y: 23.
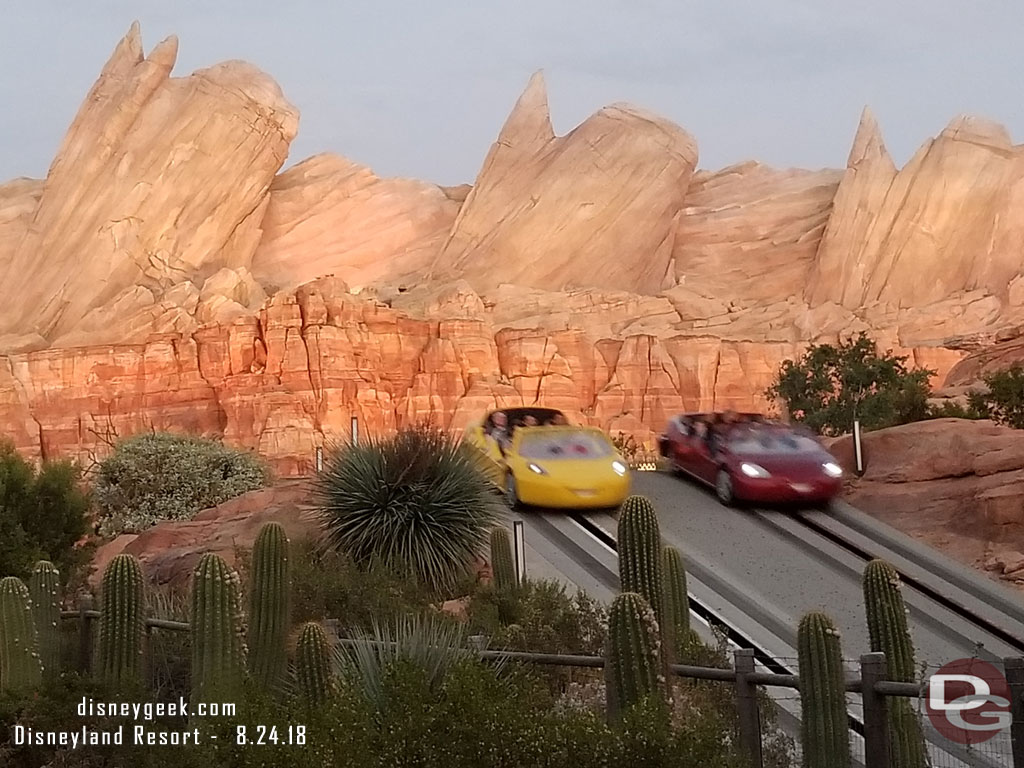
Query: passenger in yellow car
x: 500, y: 431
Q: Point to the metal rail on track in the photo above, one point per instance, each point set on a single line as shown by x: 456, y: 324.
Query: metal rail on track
x: 917, y: 584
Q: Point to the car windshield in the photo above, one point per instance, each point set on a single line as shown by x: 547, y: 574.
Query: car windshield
x: 564, y: 445
x: 770, y: 441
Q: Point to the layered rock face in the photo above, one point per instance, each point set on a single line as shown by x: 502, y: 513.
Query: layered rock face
x: 945, y: 224
x: 157, y: 180
x: 959, y: 485
x: 321, y: 212
x: 598, y: 207
x: 749, y: 234
x: 167, y: 275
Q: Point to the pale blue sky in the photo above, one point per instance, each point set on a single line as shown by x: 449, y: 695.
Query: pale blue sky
x: 421, y: 89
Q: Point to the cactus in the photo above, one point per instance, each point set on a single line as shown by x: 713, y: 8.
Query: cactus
x: 313, y: 664
x: 677, y: 601
x: 633, y: 670
x: 121, y: 622
x: 501, y: 561
x: 889, y: 633
x: 640, y: 560
x: 824, y: 728
x: 269, y: 607
x: 218, y: 654
x: 20, y: 668
x: 44, y: 588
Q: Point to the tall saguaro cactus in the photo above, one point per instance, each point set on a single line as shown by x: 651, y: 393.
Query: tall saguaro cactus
x: 269, y: 607
x: 677, y: 601
x: 639, y: 544
x: 218, y: 654
x: 501, y: 560
x: 20, y: 668
x: 44, y: 589
x: 313, y: 664
x: 121, y: 621
x: 889, y: 633
x: 633, y: 670
x: 824, y: 729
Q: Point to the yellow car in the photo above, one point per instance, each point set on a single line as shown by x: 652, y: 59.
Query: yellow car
x: 553, y: 464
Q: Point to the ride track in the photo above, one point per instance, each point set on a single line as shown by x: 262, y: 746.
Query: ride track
x: 754, y: 572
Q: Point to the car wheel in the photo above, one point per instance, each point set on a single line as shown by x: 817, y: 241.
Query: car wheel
x: 723, y: 488
x: 511, y: 492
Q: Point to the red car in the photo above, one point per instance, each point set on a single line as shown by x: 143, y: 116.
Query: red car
x: 749, y: 459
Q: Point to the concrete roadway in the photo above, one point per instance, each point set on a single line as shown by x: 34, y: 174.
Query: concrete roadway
x: 761, y: 570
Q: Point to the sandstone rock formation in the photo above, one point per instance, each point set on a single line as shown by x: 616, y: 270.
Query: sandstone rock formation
x: 598, y: 207
x: 749, y: 234
x: 157, y: 180
x: 169, y: 551
x: 958, y: 485
x: 942, y: 225
x: 163, y: 276
x: 329, y: 215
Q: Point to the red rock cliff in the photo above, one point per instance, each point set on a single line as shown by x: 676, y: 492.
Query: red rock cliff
x: 166, y: 274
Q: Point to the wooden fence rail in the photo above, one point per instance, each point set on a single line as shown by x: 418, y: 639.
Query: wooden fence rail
x: 870, y: 684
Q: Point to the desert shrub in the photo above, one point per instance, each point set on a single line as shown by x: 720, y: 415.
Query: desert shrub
x: 829, y: 385
x: 431, y: 643
x: 159, y: 476
x: 953, y: 410
x: 475, y: 716
x: 43, y: 514
x: 1004, y: 400
x: 627, y: 445
x: 328, y: 585
x: 540, y: 617
x: 414, y: 502
x: 169, y: 651
x: 633, y: 451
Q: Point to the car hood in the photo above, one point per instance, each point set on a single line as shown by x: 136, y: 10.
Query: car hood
x: 786, y: 464
x: 577, y: 472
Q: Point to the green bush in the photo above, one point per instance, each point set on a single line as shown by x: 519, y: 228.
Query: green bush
x: 431, y: 643
x: 953, y: 410
x: 542, y: 617
x: 1004, y: 401
x: 328, y: 585
x: 159, y: 476
x: 42, y: 515
x: 416, y: 502
x: 828, y: 385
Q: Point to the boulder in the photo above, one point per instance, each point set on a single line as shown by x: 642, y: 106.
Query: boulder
x: 170, y: 551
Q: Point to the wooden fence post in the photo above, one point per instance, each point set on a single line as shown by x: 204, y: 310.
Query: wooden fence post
x: 1014, y: 668
x: 746, y: 703
x: 876, y: 720
x: 84, y: 634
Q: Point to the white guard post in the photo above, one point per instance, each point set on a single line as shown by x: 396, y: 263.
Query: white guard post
x: 519, y: 544
x: 858, y: 448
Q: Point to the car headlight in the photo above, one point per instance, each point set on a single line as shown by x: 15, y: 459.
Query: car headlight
x: 619, y: 467
x: 832, y: 469
x: 753, y: 470
x: 537, y: 468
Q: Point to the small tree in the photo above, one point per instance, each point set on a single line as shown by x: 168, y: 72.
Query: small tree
x: 828, y: 387
x: 1004, y: 401
x: 42, y: 514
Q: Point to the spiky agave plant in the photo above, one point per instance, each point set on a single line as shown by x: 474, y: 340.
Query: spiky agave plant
x: 429, y: 642
x: 415, y: 502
